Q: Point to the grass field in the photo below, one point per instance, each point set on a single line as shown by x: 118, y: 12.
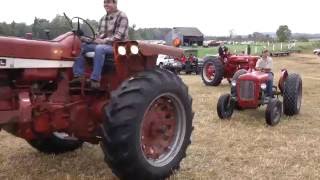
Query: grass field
x: 240, y: 148
x: 305, y: 47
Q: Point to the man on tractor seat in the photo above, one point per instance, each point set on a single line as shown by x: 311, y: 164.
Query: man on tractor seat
x: 264, y: 64
x: 223, y: 51
x: 112, y: 27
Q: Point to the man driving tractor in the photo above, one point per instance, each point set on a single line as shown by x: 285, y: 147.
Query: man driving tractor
x: 112, y: 27
x: 264, y: 64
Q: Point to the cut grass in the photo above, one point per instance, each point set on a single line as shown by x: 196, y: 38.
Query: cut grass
x: 240, y: 148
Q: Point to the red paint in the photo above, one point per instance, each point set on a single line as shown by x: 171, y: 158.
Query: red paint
x: 236, y: 62
x: 58, y: 49
x: 158, y: 128
x: 40, y: 74
x: 258, y: 78
x: 41, y: 113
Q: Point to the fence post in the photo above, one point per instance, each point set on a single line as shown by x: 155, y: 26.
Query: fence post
x: 273, y: 47
x: 256, y: 50
x: 281, y: 46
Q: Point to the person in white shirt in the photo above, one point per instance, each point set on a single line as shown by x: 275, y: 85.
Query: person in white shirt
x: 265, y: 64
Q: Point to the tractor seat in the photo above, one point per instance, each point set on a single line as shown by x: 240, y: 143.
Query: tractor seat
x: 108, y: 66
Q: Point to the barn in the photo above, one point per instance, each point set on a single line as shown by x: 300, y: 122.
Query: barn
x: 188, y: 35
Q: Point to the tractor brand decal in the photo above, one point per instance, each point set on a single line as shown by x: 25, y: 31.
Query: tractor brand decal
x: 3, y: 62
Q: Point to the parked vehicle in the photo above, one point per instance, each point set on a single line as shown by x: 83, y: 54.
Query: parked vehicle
x: 215, y: 68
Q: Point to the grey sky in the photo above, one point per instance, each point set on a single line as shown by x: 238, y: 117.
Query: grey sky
x: 212, y: 17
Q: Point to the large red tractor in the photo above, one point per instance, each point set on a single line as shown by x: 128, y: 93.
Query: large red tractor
x: 216, y: 68
x: 248, y: 91
x: 142, y: 116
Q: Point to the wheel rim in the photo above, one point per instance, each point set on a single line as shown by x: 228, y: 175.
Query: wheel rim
x: 64, y: 136
x: 163, y: 130
x: 227, y: 107
x: 209, y: 72
x: 276, y: 114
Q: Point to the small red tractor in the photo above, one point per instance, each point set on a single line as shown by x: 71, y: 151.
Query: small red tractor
x: 248, y: 91
x: 142, y: 116
x: 215, y: 68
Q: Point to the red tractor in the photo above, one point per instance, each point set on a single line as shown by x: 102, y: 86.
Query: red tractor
x: 216, y: 68
x: 142, y: 116
x: 248, y: 91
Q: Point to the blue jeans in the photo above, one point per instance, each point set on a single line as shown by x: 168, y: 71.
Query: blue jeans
x: 270, y: 84
x: 98, y: 61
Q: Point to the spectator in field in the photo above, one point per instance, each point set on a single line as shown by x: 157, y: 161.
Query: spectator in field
x: 112, y: 27
x: 265, y: 64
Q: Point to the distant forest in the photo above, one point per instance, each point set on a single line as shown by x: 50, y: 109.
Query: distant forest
x: 60, y: 25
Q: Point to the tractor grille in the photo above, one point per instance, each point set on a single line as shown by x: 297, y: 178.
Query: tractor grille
x: 247, y: 90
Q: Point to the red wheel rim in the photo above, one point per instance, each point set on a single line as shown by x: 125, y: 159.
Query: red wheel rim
x: 162, y: 129
x: 209, y: 72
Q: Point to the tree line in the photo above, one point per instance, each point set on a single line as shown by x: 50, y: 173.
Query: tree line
x: 60, y: 25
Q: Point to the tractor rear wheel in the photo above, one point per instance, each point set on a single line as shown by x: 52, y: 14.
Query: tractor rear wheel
x: 273, y: 112
x: 57, y: 143
x: 148, y: 126
x: 212, y: 72
x: 292, y: 94
x: 225, y: 106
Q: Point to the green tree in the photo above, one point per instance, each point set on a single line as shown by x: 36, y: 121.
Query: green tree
x: 283, y: 33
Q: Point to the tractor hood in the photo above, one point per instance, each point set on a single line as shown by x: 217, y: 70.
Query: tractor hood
x: 256, y: 76
x: 66, y: 46
x: 148, y: 49
x: 243, y: 59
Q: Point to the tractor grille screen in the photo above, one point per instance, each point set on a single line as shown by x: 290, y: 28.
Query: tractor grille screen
x: 247, y: 90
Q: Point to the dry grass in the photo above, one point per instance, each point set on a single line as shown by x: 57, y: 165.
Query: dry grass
x: 242, y: 148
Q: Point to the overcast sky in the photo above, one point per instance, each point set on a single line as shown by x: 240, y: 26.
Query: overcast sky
x: 212, y: 17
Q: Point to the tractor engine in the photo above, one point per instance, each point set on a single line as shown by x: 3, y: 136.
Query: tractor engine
x: 250, y: 87
x: 37, y: 102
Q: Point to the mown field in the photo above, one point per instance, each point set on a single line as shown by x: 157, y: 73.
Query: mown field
x: 240, y: 148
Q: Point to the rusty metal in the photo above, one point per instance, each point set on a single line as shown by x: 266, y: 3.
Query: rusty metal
x: 158, y: 128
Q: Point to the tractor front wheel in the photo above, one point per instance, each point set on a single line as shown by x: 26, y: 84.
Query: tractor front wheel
x: 148, y: 126
x: 57, y: 143
x: 212, y: 72
x: 225, y: 106
x: 273, y: 112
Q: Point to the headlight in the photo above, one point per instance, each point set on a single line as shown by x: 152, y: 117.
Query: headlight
x: 134, y: 49
x: 233, y: 83
x: 122, y: 50
x: 263, y: 86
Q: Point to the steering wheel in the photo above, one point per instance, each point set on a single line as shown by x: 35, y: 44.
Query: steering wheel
x: 78, y: 30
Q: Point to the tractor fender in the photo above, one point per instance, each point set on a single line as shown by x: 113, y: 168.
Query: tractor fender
x: 209, y: 57
x: 283, y: 77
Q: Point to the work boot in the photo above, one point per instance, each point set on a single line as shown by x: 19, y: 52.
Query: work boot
x: 92, y: 84
x: 76, y: 81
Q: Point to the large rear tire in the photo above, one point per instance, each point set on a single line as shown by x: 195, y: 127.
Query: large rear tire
x: 148, y: 126
x: 212, y: 72
x: 292, y: 95
x: 57, y: 143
